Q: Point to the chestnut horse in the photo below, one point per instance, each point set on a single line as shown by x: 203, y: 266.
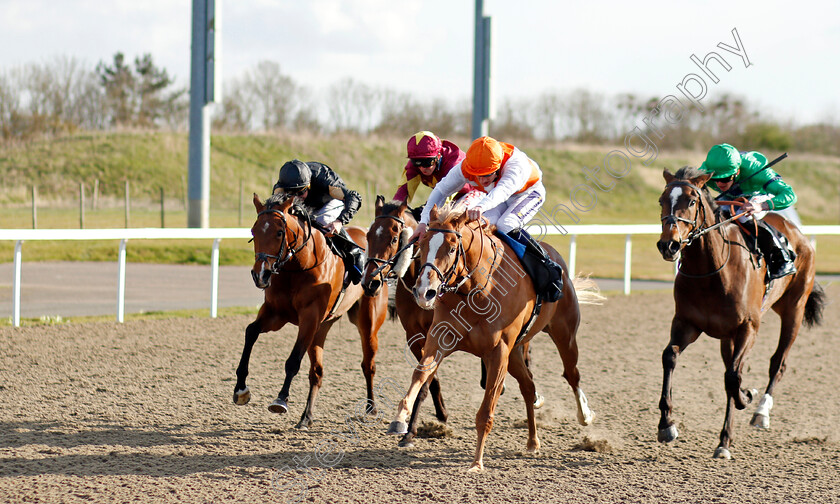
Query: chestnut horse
x: 720, y: 290
x: 466, y: 273
x: 391, y: 256
x: 303, y: 281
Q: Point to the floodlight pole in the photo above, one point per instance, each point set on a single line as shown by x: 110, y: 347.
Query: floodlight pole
x: 482, y: 73
x: 205, y: 72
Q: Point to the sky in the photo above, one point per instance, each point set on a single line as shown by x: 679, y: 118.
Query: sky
x: 426, y: 48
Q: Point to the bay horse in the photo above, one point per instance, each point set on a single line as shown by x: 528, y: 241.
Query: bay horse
x: 720, y: 290
x: 482, y: 300
x: 391, y: 256
x: 302, y: 280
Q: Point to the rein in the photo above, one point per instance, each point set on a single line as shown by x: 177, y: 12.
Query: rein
x: 281, y: 259
x: 697, y: 231
x: 393, y: 260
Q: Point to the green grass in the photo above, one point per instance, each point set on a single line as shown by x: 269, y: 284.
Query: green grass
x: 150, y: 160
x: 151, y: 315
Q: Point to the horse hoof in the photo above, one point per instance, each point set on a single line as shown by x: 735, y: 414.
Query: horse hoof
x: 585, y: 417
x: 760, y: 421
x: 753, y: 393
x: 302, y: 427
x: 476, y: 467
x: 722, y: 453
x: 539, y: 401
x: 241, y: 397
x: 397, y: 428
x: 278, y: 406
x: 406, y: 443
x: 668, y: 434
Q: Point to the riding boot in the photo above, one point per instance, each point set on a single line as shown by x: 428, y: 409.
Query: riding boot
x: 547, y: 274
x: 353, y: 256
x: 777, y: 252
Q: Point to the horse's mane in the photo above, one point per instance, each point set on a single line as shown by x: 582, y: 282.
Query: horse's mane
x: 298, y: 209
x: 689, y: 173
x: 452, y: 210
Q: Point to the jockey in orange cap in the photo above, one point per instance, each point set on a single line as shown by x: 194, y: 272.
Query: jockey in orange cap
x: 513, y: 194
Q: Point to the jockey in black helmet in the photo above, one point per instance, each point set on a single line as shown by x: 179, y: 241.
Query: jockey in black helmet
x: 332, y: 204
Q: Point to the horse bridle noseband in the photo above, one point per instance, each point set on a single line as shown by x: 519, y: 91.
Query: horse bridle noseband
x: 696, y: 231
x: 446, y: 287
x: 382, y: 263
x: 280, y: 259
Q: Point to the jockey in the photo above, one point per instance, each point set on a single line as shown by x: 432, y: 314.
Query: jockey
x: 513, y: 194
x: 745, y: 174
x: 429, y: 160
x: 318, y: 187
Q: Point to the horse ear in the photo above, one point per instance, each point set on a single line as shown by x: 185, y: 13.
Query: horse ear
x: 701, y: 180
x: 286, y: 204
x: 380, y: 202
x: 460, y: 220
x: 258, y: 204
x: 669, y: 177
x: 434, y: 214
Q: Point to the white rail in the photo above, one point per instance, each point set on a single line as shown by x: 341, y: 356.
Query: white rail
x: 217, y: 234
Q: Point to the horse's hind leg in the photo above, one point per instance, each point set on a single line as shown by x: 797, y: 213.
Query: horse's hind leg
x: 519, y: 369
x: 564, y: 339
x: 241, y: 393
x: 316, y: 373
x: 791, y: 322
x: 682, y: 335
x: 306, y: 333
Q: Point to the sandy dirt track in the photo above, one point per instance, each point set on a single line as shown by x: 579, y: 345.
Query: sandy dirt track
x: 142, y: 412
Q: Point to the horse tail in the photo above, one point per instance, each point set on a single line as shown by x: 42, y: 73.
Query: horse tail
x: 587, y: 291
x: 814, y: 306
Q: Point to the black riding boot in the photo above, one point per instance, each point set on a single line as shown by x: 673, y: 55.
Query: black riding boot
x: 546, y: 274
x: 353, y: 256
x: 777, y: 252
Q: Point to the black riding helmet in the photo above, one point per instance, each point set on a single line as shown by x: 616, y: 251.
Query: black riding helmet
x: 294, y: 176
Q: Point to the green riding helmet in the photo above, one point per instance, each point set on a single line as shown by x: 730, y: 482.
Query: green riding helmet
x: 722, y: 162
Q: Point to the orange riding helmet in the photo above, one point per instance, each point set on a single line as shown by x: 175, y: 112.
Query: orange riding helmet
x: 483, y: 157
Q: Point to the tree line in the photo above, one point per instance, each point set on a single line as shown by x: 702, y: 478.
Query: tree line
x: 62, y: 96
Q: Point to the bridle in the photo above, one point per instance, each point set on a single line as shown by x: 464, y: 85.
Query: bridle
x: 282, y: 258
x: 445, y: 278
x: 382, y: 263
x: 696, y: 230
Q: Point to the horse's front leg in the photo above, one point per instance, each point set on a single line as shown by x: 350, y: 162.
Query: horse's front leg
x: 369, y: 319
x: 497, y: 365
x: 682, y: 335
x: 263, y: 323
x: 734, y: 352
x: 518, y: 367
x: 423, y: 373
x: 309, y: 323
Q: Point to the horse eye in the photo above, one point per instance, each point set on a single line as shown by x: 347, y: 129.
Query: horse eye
x: 451, y: 251
x: 691, y: 203
x: 394, y: 240
x: 279, y: 234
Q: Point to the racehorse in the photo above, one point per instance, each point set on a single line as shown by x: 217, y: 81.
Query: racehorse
x: 391, y: 256
x: 720, y: 290
x: 303, y: 281
x: 466, y: 273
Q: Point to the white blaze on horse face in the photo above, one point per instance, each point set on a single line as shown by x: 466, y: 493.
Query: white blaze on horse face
x: 675, y: 195
x: 434, y: 246
x: 378, y: 232
x: 265, y: 227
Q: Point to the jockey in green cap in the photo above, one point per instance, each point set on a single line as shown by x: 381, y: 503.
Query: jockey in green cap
x: 746, y: 174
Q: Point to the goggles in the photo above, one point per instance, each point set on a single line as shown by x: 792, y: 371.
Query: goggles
x: 423, y: 162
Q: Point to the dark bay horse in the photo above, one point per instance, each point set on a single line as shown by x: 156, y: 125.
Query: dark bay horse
x: 720, y: 290
x: 482, y: 299
x: 303, y: 280
x: 388, y: 234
